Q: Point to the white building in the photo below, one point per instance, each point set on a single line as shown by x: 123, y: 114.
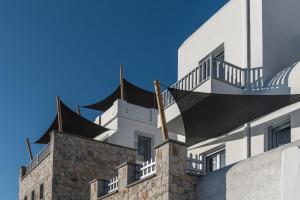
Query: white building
x: 132, y: 126
x: 249, y: 47
x: 214, y: 60
x: 274, y: 56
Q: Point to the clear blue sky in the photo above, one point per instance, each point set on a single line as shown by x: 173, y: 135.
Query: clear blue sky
x: 73, y: 49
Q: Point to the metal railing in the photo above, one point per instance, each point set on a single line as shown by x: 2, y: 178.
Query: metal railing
x: 195, y: 166
x: 39, y: 158
x: 212, y: 67
x: 148, y: 168
x: 229, y: 73
x: 256, y: 78
x: 192, y: 80
x: 113, y: 184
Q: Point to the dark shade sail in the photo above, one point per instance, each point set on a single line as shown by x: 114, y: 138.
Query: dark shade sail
x: 207, y: 115
x: 132, y: 94
x: 74, y: 124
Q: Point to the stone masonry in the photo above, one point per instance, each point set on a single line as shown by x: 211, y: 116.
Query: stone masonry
x: 171, y: 180
x: 72, y: 163
x: 41, y: 174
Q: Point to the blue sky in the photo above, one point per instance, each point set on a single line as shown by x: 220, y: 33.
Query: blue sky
x: 73, y: 49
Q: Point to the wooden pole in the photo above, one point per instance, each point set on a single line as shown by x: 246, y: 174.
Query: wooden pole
x: 59, y: 117
x: 164, y: 128
x: 29, y: 149
x: 78, y: 110
x: 122, y: 82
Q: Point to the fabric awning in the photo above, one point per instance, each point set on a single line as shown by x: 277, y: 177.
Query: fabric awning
x: 74, y: 124
x: 132, y: 94
x: 207, y: 115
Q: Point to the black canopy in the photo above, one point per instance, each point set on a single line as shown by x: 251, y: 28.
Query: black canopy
x: 72, y: 123
x: 132, y: 94
x: 207, y: 115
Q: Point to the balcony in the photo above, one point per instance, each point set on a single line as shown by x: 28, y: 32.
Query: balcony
x: 37, y: 160
x: 214, y: 68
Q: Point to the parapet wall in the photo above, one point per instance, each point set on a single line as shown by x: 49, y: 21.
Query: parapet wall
x: 73, y: 162
x: 78, y: 160
x: 274, y: 175
x: 41, y: 174
x: 170, y: 181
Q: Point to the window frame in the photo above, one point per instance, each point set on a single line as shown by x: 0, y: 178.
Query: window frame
x: 272, y: 141
x: 149, y: 147
x: 32, y: 195
x: 219, y: 161
x: 218, y: 51
x: 147, y: 135
x: 203, y: 156
x: 42, y: 191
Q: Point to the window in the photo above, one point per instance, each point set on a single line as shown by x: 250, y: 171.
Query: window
x: 144, y: 148
x: 219, y: 52
x: 215, y: 161
x: 33, y: 195
x: 280, y: 135
x: 220, y: 55
x: 42, y: 191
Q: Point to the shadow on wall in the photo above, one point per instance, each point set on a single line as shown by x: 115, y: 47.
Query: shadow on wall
x: 270, y: 176
x: 213, y: 185
x: 279, y: 84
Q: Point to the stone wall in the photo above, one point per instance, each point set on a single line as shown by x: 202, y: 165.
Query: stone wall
x: 169, y: 182
x: 41, y: 174
x: 73, y: 162
x: 78, y: 160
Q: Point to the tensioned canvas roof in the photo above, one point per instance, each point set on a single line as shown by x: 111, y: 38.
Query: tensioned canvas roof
x: 74, y: 124
x: 207, y: 115
x: 132, y: 94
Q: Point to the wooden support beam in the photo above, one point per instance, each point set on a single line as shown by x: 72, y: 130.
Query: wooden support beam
x: 59, y: 117
x: 29, y: 149
x: 161, y: 111
x: 78, y: 110
x: 122, y: 82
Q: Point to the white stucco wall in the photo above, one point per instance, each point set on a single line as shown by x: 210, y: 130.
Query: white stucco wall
x: 281, y: 34
x: 274, y: 175
x: 228, y: 27
x: 290, y: 174
x: 275, y: 36
x: 126, y: 121
x: 275, y: 45
x: 236, y: 144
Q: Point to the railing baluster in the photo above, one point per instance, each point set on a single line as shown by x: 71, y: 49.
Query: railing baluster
x: 214, y: 68
x: 39, y: 158
x: 211, y: 65
x: 206, y: 69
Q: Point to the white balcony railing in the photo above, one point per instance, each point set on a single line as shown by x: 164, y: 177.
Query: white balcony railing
x: 113, y: 184
x: 229, y: 73
x: 38, y: 159
x: 212, y: 67
x: 148, y: 168
x: 195, y: 166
